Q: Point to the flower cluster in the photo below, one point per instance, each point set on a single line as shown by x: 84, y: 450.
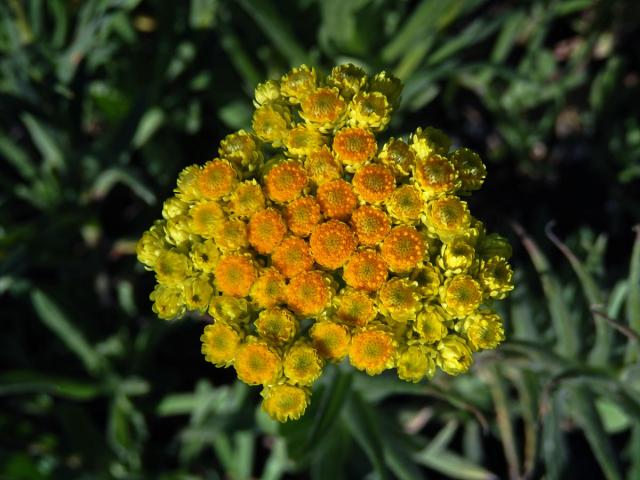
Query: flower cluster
x: 307, y: 242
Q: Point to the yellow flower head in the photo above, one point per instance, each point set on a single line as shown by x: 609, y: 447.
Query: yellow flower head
x: 322, y: 167
x: 415, y: 363
x: 406, y: 205
x: 374, y: 183
x: 370, y: 224
x: 366, y: 270
x: 220, y: 342
x: 496, y: 277
x: 302, y: 364
x: 269, y: 289
x: 484, y: 330
x: 354, y: 308
x: 403, y: 249
x: 454, y: 356
x: 310, y: 202
x: 372, y: 350
x: 348, y: 79
x: 332, y: 243
x: 256, y: 363
x: 285, y: 402
x: 336, y: 199
x: 354, y: 146
x: 330, y: 339
x: 299, y: 83
x: 399, y: 299
x: 277, y: 325
x: 397, y: 155
x: 461, y: 295
x: 168, y: 301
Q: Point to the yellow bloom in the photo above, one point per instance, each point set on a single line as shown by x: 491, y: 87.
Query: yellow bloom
x: 231, y: 235
x: 285, y: 402
x: 299, y: 83
x: 456, y: 257
x: 399, y: 299
x: 403, y: 249
x: 204, y: 256
x: 229, y: 309
x: 271, y: 123
x: 370, y: 110
x: 322, y: 167
x: 266, y: 92
x: 302, y: 215
x: 173, y: 207
x: 406, y: 205
x: 323, y: 108
x: 471, y: 170
x: 496, y: 277
x: 216, y: 179
x: 494, y: 245
x: 235, y: 275
x: 285, y: 181
x: 242, y: 149
x: 484, y: 330
x: 269, y: 289
x: 172, y: 267
x: 366, y: 270
x: 387, y: 84
x: 330, y: 339
x: 332, y: 243
x: 397, y: 155
x: 168, y: 301
x: 187, y: 184
x: 374, y: 183
x: 372, y: 350
x: 430, y: 324
x: 436, y: 176
x: 447, y: 217
x: 354, y: 308
x: 302, y: 140
x: 220, y: 344
x: 177, y: 231
x: 354, y: 146
x: 151, y: 245
x: 204, y: 217
x: 276, y: 325
x: 429, y: 141
x: 461, y: 295
x: 197, y: 292
x: 429, y: 279
x: 349, y: 79
x: 415, y: 363
x: 292, y: 257
x: 266, y: 230
x: 256, y: 363
x: 308, y: 294
x: 454, y: 356
x: 302, y: 364
x: 246, y: 199
x: 370, y: 224
x: 336, y: 199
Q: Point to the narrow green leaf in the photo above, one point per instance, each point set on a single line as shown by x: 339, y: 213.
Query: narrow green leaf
x: 149, y: 124
x: 244, y: 453
x: 202, y: 13
x: 554, y: 445
x: 276, y: 29
x: 112, y: 176
x: 43, y: 138
x: 17, y: 157
x: 19, y: 382
x: 276, y: 465
x: 633, y: 299
x: 452, y: 465
x: 54, y: 318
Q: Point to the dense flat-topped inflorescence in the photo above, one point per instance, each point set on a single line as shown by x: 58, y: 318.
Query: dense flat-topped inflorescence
x: 307, y: 242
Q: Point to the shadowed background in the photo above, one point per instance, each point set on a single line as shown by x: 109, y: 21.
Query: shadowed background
x: 103, y: 102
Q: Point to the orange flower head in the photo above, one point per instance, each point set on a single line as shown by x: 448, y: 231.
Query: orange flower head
x: 330, y: 339
x: 216, y: 179
x: 285, y: 402
x: 285, y: 181
x: 354, y: 308
x: 403, y: 248
x: 371, y: 225
x: 308, y: 294
x: 336, y: 198
x: 461, y: 295
x: 406, y: 205
x: 374, y: 183
x: 397, y: 155
x: 292, y: 257
x: 269, y: 289
x: 302, y: 364
x: 234, y: 275
x: 325, y: 107
x: 354, y: 146
x: 302, y: 140
x: 372, y: 351
x: 366, y: 270
x: 231, y: 235
x: 257, y: 364
x: 322, y: 167
x: 303, y: 215
x: 266, y: 230
x: 399, y: 299
x: 276, y: 325
x: 332, y: 243
x: 436, y: 175
x: 447, y: 217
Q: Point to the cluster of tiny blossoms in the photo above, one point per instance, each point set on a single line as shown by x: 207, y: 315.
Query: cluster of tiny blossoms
x: 307, y: 242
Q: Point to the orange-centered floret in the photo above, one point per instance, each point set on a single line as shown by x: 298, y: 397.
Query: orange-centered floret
x: 370, y: 224
x: 374, y: 183
x: 403, y: 248
x: 355, y: 308
x: 308, y: 293
x: 324, y: 106
x: 436, y: 175
x: 285, y: 181
x: 354, y: 146
x: 372, y: 350
x: 302, y: 215
x: 216, y: 179
x: 266, y: 230
x: 292, y: 257
x: 332, y: 243
x: 337, y: 200
x: 330, y: 339
x: 256, y: 363
x: 365, y: 270
x: 269, y: 289
x: 234, y: 275
x: 322, y: 167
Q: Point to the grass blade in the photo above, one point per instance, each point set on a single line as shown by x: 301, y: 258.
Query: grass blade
x: 633, y: 299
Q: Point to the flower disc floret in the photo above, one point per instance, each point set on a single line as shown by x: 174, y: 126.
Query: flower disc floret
x: 374, y: 183
x: 471, y: 170
x: 397, y: 155
x: 269, y: 289
x: 366, y: 270
x: 276, y: 325
x: 427, y: 141
x: 204, y: 256
x: 436, y: 175
x: 456, y: 257
x: 348, y: 78
x: 354, y: 146
x: 247, y: 199
x: 336, y: 199
x: 403, y: 248
x: 454, y: 356
x: 496, y: 277
x: 431, y: 325
x: 220, y: 343
x: 302, y: 140
x: 171, y: 267
x: 415, y: 363
x: 235, y: 275
x: 299, y: 83
x: 370, y: 224
x: 324, y: 108
x: 168, y: 301
x: 461, y: 295
x: 484, y: 330
x: 292, y: 257
x: 242, y: 149
x: 204, y: 217
x: 302, y: 215
x: 285, y: 181
x: 197, y: 292
x: 231, y: 235
x: 330, y: 339
x: 308, y: 293
x: 370, y: 110
x: 322, y: 167
x: 257, y: 364
x: 354, y: 308
x: 266, y: 230
x: 228, y: 309
x: 399, y: 299
x: 332, y: 243
x: 372, y: 350
x: 216, y: 179
x: 271, y: 123
x: 447, y: 217
x: 285, y: 402
x: 406, y: 205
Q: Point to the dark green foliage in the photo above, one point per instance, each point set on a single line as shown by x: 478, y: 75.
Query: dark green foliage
x: 102, y: 102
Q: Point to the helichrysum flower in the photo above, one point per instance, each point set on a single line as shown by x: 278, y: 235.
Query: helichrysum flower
x: 308, y: 242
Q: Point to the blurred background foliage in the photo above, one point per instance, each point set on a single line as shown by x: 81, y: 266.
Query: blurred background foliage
x: 102, y: 102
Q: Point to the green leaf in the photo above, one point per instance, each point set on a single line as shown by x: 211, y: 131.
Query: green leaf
x: 633, y: 299
x: 150, y: 122
x: 15, y: 155
x: 276, y: 29
x: 56, y: 320
x: 452, y: 465
x: 203, y: 13
x: 110, y: 177
x: 20, y: 382
x: 44, y: 139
